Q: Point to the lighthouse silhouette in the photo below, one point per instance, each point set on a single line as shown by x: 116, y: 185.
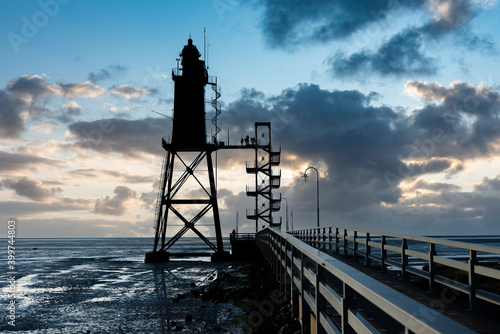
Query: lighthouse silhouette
x: 189, y: 100
x: 190, y: 152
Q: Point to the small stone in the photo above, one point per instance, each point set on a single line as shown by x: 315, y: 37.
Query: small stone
x: 179, y: 328
x: 188, y: 318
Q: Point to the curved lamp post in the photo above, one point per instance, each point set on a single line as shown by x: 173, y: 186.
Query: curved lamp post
x: 317, y: 191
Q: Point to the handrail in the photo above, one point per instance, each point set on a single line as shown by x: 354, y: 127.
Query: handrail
x: 457, y: 244
x: 315, y: 282
x: 394, y: 250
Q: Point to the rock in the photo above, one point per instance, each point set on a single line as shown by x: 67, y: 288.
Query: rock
x: 172, y: 323
x: 179, y: 328
x: 188, y: 318
x: 175, y: 300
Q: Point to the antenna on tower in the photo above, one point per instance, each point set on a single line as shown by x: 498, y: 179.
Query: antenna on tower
x: 208, y: 47
x: 205, y: 46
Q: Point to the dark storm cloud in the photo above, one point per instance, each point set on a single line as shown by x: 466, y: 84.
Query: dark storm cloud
x: 107, y: 73
x: 403, y: 54
x: 367, y: 151
x: 132, y: 138
x: 489, y: 185
x: 116, y: 205
x: 30, y: 188
x: 13, y: 162
x: 291, y: 24
x: 287, y: 23
x: 468, y: 115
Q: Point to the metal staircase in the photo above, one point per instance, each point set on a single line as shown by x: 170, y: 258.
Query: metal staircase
x: 266, y: 178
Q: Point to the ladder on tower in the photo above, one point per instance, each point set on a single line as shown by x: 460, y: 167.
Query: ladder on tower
x: 160, y: 191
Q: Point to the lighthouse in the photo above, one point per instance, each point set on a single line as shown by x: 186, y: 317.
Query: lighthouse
x: 188, y: 158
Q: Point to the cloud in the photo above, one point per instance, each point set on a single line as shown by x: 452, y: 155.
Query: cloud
x: 292, y: 24
x: 27, y: 209
x: 13, y: 162
x: 30, y: 188
x: 11, y: 122
x: 92, y: 173
x: 116, y: 205
x: 301, y: 21
x: 434, y: 186
x: 68, y: 111
x: 25, y: 98
x: 45, y: 127
x: 430, y: 92
x: 365, y: 152
x: 402, y: 54
x: 36, y: 86
x: 128, y: 91
x: 81, y: 89
x: 468, y: 114
x: 107, y: 73
x: 131, y: 138
x: 449, y: 14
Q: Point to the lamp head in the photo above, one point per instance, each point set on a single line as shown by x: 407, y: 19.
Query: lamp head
x: 305, y: 177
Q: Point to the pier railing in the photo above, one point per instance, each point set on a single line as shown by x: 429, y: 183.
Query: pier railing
x: 329, y: 296
x: 473, y: 271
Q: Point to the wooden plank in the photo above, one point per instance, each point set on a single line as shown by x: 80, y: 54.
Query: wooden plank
x: 452, y: 263
x: 489, y: 272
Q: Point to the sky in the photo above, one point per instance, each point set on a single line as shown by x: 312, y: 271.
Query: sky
x: 395, y: 102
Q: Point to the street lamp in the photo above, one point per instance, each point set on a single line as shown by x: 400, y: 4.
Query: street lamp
x: 317, y: 191
x: 286, y: 219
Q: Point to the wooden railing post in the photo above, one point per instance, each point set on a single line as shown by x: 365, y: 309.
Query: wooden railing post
x: 432, y: 267
x: 404, y: 258
x: 368, y: 249
x: 345, y: 242
x: 324, y: 238
x: 473, y: 283
x: 330, y: 238
x: 337, y: 240
x: 383, y: 254
x: 355, y: 245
